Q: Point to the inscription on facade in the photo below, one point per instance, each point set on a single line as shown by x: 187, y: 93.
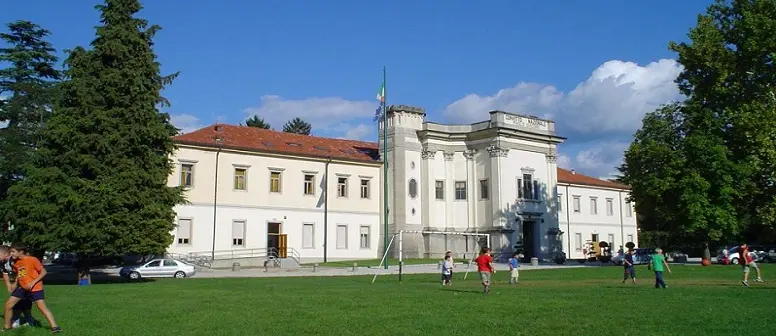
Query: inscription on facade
x: 526, y: 122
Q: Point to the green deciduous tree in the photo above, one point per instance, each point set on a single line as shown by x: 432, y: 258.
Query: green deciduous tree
x: 257, y: 122
x: 298, y: 126
x: 27, y: 85
x: 99, y: 181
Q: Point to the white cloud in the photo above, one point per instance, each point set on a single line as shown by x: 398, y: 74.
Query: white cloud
x: 186, y: 122
x: 606, y: 107
x: 325, y: 114
x: 361, y: 132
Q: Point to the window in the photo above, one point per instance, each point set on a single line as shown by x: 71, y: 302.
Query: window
x: 630, y: 238
x: 169, y: 263
x: 594, y: 237
x: 239, y: 178
x: 364, y: 188
x: 238, y: 233
x: 609, y: 207
x: 578, y: 241
x: 610, y: 238
x: 577, y: 205
x: 187, y: 175
x: 155, y: 263
x: 308, y: 235
x: 364, y: 237
x: 560, y: 202
x: 439, y: 190
x: 309, y: 184
x: 184, y: 231
x: 528, y: 188
x: 460, y: 190
x: 593, y: 206
x: 342, y: 237
x: 342, y: 187
x: 412, y: 188
x: 484, y: 192
x: 274, y: 182
x: 628, y: 209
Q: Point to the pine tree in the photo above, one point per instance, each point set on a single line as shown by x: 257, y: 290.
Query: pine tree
x: 257, y: 122
x: 99, y: 181
x: 298, y: 126
x: 29, y: 82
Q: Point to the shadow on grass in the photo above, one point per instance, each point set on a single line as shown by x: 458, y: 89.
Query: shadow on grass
x: 63, y: 276
x: 465, y: 291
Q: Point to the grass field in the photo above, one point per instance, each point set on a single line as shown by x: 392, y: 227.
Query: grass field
x: 587, y: 301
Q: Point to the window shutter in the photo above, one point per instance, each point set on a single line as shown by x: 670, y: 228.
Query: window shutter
x: 307, y: 236
x: 238, y: 230
x: 537, y: 192
x: 184, y: 228
x: 520, y: 188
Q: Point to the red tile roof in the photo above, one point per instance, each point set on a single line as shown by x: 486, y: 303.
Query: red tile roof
x: 263, y: 140
x: 570, y: 177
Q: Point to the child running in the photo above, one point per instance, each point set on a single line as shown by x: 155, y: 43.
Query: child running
x: 447, y: 271
x: 513, y: 266
x: 29, y: 285
x: 452, y: 262
x: 630, y: 269
x: 747, y: 261
x: 24, y: 307
x: 485, y: 268
x: 658, y: 263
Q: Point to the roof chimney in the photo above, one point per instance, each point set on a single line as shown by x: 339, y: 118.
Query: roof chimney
x: 573, y: 172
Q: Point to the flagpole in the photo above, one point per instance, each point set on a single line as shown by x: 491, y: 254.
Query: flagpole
x: 385, y: 171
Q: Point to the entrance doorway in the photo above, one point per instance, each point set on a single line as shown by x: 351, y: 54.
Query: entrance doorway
x: 276, y: 241
x: 529, y: 240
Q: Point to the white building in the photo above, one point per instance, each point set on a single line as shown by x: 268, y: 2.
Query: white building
x: 252, y: 189
x: 497, y: 176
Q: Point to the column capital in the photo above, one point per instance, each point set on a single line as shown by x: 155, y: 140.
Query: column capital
x: 449, y: 156
x: 469, y: 154
x: 497, y: 151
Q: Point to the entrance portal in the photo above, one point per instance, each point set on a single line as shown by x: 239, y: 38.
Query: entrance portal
x: 529, y: 240
x: 276, y: 242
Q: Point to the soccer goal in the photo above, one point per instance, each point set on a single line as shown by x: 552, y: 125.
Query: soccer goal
x: 434, y: 244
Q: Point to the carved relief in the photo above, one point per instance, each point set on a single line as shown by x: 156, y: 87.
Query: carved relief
x: 497, y: 151
x: 552, y: 159
x: 449, y: 156
x: 427, y: 154
x: 469, y: 154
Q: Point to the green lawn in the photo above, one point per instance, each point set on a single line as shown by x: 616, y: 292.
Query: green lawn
x: 376, y: 262
x: 590, y: 301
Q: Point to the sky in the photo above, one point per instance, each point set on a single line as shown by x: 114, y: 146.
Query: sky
x: 594, y: 67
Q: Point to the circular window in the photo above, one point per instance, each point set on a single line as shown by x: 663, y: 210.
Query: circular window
x: 412, y: 165
x: 413, y: 211
x: 413, y: 188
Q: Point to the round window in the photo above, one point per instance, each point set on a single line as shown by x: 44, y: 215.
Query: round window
x: 413, y: 188
x: 413, y: 211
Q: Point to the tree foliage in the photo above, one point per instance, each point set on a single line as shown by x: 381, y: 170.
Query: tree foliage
x: 257, y: 122
x: 297, y: 126
x: 719, y: 186
x: 98, y: 182
x: 28, y: 85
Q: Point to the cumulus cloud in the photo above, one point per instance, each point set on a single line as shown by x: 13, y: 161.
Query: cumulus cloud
x: 361, y: 132
x: 186, y: 122
x: 327, y: 115
x: 598, y: 116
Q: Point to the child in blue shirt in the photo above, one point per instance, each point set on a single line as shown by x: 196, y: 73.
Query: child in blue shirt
x: 513, y: 266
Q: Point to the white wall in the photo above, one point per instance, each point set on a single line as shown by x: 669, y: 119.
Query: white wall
x: 619, y: 223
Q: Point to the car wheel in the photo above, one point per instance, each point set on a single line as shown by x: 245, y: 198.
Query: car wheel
x: 134, y: 275
x: 734, y: 261
x: 180, y: 275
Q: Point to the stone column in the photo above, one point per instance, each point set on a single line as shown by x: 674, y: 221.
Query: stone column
x: 498, y: 205
x: 473, y: 184
x: 449, y: 190
x: 428, y: 189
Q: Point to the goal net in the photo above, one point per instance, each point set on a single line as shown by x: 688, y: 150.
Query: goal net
x: 433, y: 245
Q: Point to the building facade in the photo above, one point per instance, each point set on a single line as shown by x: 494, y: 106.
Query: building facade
x: 498, y: 176
x: 252, y: 189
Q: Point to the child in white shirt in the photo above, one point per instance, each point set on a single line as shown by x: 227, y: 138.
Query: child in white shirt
x: 447, y: 271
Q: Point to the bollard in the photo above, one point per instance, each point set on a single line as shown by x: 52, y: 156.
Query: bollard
x: 315, y: 267
x: 439, y: 266
x: 235, y: 267
x: 355, y: 266
x: 265, y: 265
x: 534, y: 261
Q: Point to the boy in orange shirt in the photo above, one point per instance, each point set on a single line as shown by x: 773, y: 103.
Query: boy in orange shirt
x: 29, y: 285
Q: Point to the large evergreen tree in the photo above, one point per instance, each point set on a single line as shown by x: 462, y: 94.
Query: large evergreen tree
x: 99, y: 181
x: 27, y: 85
x: 297, y: 126
x: 257, y: 122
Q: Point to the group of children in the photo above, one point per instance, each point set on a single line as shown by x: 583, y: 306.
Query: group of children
x: 23, y: 276
x: 484, y: 267
x: 658, y: 264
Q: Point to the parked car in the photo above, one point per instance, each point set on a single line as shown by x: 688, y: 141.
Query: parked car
x: 733, y: 257
x: 641, y: 257
x: 159, y: 268
x: 770, y: 254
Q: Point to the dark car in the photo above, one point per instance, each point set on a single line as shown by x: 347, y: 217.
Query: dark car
x: 641, y: 257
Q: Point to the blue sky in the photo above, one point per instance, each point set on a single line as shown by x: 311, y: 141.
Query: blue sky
x: 595, y: 67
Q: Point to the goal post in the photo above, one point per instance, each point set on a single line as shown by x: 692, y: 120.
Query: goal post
x: 398, y: 238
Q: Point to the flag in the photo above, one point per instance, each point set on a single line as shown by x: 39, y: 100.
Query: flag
x: 381, y: 94
x: 379, y: 112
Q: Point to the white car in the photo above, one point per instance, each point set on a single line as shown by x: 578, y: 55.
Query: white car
x: 734, y: 258
x: 159, y: 268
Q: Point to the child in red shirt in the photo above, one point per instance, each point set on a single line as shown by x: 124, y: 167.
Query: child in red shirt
x: 485, y: 268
